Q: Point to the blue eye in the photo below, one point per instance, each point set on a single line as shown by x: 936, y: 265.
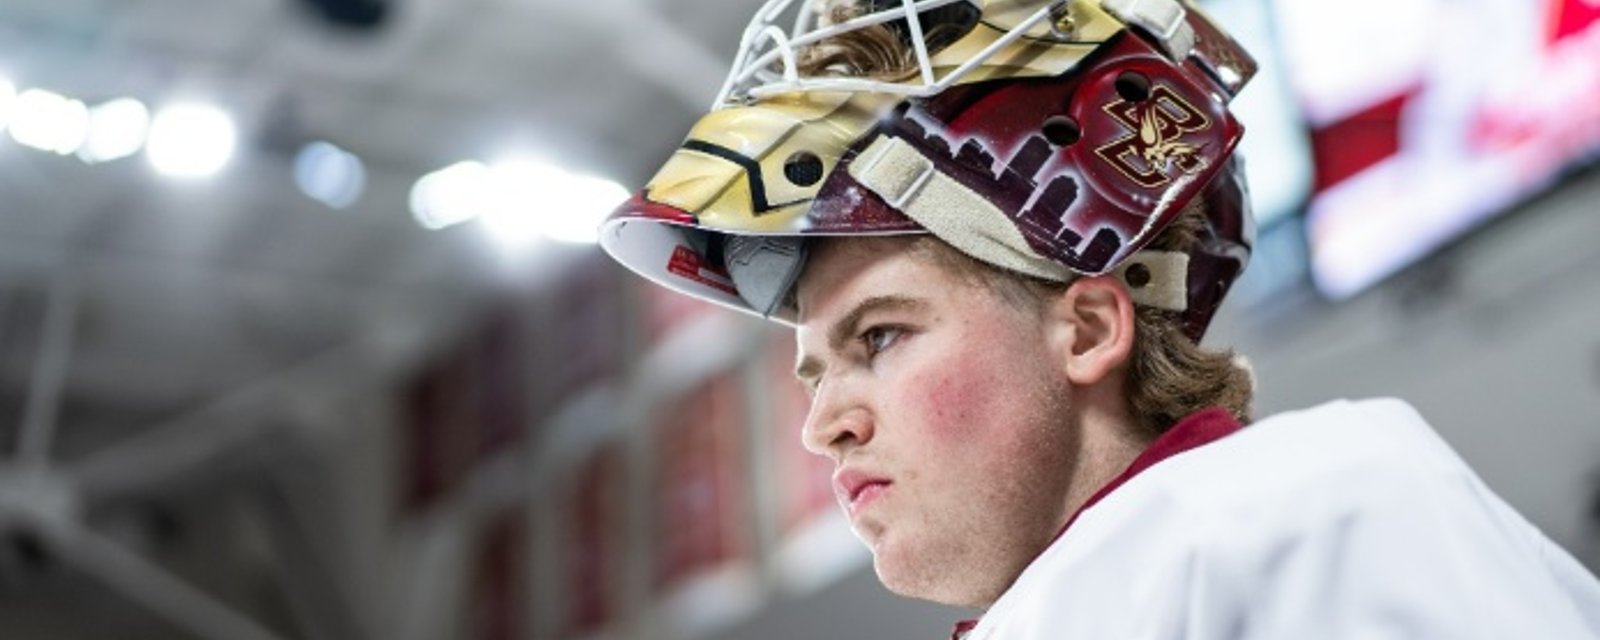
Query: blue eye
x: 879, y: 338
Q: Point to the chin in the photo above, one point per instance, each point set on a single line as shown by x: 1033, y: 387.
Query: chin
x: 932, y: 581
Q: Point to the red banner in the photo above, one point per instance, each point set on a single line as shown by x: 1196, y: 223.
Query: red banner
x: 465, y: 406
x: 499, y: 593
x: 594, y: 542
x: 700, y: 478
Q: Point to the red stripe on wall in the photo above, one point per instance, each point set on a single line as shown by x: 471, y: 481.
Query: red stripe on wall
x: 1572, y: 17
x: 1347, y: 147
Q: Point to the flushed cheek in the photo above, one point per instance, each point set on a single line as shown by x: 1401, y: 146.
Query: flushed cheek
x: 943, y: 407
x: 953, y: 405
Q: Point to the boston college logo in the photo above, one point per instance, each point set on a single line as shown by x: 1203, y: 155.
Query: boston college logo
x: 1153, y: 152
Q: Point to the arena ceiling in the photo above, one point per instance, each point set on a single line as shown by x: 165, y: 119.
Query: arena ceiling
x: 175, y: 293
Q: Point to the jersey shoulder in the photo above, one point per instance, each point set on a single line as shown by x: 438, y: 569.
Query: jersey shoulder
x: 1325, y: 448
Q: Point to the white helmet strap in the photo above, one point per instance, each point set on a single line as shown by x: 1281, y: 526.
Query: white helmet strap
x: 1158, y: 279
x: 911, y: 183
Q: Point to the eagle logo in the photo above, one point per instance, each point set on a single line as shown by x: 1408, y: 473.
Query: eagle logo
x: 1154, y: 151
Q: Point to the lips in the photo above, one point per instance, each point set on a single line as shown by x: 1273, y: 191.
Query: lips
x: 856, y: 489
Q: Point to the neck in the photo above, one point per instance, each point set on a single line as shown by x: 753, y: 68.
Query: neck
x: 1110, y: 443
x: 1107, y: 445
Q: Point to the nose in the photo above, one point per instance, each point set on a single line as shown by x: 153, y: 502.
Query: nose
x: 838, y: 421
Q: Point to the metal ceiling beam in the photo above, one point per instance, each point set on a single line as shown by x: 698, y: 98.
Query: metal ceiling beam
x: 289, y: 508
x: 238, y: 418
x: 49, y: 373
x: 149, y: 585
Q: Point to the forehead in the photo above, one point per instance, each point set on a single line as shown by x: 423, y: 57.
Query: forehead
x: 886, y: 265
x: 842, y: 273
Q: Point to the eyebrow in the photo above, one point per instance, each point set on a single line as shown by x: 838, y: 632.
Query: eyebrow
x: 809, y: 368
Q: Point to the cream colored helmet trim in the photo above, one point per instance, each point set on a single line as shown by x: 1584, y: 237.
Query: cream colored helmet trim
x: 1164, y: 279
x: 909, y: 182
x: 1164, y: 19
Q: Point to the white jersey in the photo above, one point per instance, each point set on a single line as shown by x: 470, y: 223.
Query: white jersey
x: 1352, y: 520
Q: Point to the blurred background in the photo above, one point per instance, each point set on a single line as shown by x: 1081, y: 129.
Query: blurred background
x: 303, y: 334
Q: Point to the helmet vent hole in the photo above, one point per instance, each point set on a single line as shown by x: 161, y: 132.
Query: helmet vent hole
x: 803, y: 168
x: 1061, y: 131
x: 1133, y: 86
x: 1137, y: 275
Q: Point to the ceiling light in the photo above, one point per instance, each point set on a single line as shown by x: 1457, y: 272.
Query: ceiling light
x: 191, y: 140
x: 575, y: 212
x: 518, y: 201
x: 452, y: 195
x: 117, y: 129
x: 536, y: 200
x: 517, y: 186
x: 49, y: 121
x: 330, y: 175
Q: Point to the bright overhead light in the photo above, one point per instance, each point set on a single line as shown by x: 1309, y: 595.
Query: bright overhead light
x: 330, y: 175
x: 117, y: 129
x: 575, y: 211
x: 452, y: 195
x: 49, y: 121
x: 519, y: 201
x: 537, y: 200
x: 191, y: 140
x: 517, y: 185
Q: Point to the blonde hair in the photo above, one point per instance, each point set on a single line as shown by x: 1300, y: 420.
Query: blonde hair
x: 1169, y: 375
x: 878, y: 51
x: 872, y: 52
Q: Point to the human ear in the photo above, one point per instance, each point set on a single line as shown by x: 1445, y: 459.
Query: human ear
x: 1093, y: 324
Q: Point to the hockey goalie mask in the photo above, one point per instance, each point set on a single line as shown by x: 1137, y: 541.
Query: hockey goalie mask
x: 1047, y: 138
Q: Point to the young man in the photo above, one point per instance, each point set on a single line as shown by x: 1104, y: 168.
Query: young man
x: 1000, y: 229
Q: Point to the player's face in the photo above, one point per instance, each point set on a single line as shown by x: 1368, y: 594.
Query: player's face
x: 947, y: 418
